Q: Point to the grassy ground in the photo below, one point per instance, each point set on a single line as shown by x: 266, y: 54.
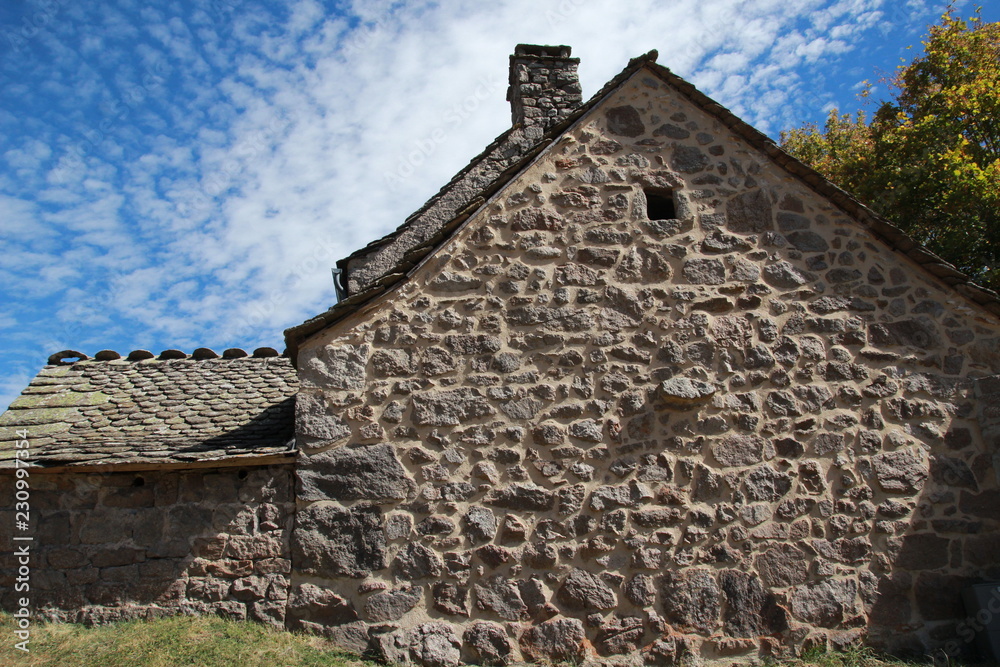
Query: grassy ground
x: 214, y: 642
x: 859, y: 657
x: 169, y: 642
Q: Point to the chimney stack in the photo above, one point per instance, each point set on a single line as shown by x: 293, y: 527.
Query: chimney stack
x: 544, y: 86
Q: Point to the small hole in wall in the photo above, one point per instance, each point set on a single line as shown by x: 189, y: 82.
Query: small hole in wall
x: 660, y: 205
x: 138, y: 481
x: 242, y: 474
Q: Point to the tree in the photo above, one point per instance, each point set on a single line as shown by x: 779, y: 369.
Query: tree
x: 929, y: 158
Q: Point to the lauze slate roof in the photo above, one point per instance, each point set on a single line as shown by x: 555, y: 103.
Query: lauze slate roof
x: 155, y: 412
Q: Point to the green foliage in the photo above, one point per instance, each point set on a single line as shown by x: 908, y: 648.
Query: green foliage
x: 862, y: 656
x: 854, y: 656
x: 929, y: 158
x: 205, y: 641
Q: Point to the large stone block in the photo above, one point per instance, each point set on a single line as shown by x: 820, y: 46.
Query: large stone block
x: 939, y: 596
x: 488, y: 643
x: 782, y: 565
x: 681, y: 392
x: 555, y: 641
x: 369, y: 472
x: 392, y: 363
x: 890, y: 599
x: 765, y: 483
x: 922, y: 551
x: 983, y: 505
x: 704, y: 271
x: 333, y: 541
x: 393, y: 604
x: 621, y: 635
x: 316, y: 418
x: 499, y: 595
x: 337, y: 367
x: 316, y: 605
x: 783, y: 274
x: 751, y: 610
x: 550, y: 319
x: 435, y: 645
x: 826, y: 603
x: 450, y: 408
x: 739, y: 450
x: 416, y: 561
x: 900, y: 471
x: 480, y: 524
x: 691, y: 599
x: 530, y: 497
x: 625, y: 495
x: 583, y: 590
x: 625, y: 121
x: 749, y: 213
x: 920, y: 332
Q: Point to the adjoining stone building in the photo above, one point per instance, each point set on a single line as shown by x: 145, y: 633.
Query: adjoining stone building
x: 157, y: 486
x: 635, y: 386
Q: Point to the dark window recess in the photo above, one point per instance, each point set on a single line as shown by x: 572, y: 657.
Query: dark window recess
x: 660, y: 205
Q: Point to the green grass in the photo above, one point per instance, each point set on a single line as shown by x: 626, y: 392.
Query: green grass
x: 860, y: 656
x: 206, y: 641
x: 852, y: 657
x: 209, y: 641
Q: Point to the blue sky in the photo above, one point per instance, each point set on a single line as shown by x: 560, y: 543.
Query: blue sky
x: 184, y: 173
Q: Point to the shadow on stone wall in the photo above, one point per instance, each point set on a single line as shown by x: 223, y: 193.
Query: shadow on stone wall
x: 943, y: 542
x: 123, y: 545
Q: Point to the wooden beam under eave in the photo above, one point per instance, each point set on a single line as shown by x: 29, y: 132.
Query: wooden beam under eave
x: 235, y: 462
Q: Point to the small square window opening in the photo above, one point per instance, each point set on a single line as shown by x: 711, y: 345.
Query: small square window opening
x: 660, y: 205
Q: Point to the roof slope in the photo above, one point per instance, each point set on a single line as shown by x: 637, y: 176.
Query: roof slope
x: 366, y: 265
x: 154, y: 412
x: 378, y: 258
x: 879, y: 226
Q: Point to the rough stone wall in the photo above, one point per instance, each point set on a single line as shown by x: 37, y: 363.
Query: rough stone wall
x: 578, y: 431
x: 126, y: 545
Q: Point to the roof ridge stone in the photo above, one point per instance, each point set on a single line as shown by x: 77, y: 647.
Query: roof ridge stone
x: 72, y: 357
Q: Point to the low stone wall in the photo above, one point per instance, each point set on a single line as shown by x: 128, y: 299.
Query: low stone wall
x: 123, y: 545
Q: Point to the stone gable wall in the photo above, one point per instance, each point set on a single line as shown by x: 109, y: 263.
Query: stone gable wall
x: 125, y: 545
x: 579, y: 432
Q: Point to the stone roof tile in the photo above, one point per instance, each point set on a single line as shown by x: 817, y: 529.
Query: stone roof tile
x: 179, y: 410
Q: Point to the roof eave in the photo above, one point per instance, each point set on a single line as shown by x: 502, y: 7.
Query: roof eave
x: 147, y: 466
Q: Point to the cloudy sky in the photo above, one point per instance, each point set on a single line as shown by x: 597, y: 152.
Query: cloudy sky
x: 184, y: 173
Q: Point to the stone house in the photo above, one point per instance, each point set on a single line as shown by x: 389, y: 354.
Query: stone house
x: 634, y: 386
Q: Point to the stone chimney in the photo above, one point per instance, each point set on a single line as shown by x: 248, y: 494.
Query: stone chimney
x: 544, y: 86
